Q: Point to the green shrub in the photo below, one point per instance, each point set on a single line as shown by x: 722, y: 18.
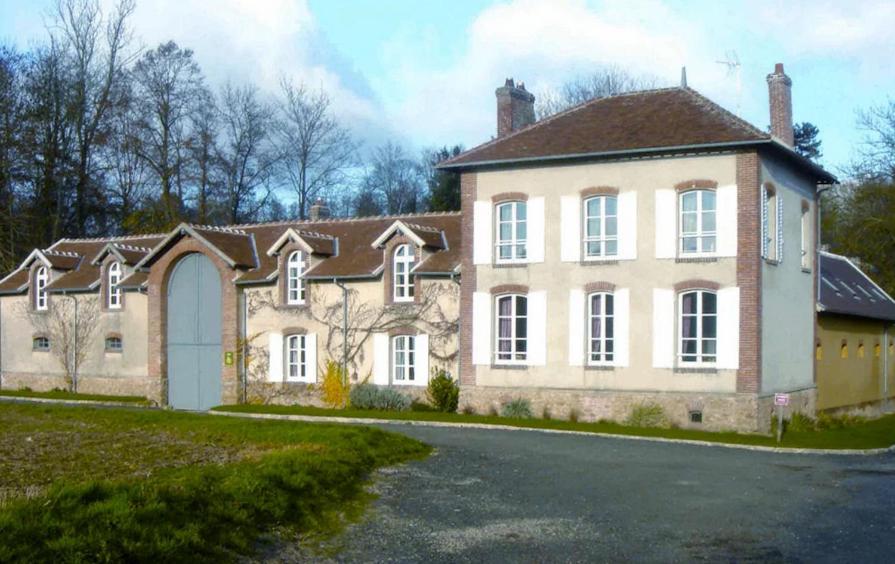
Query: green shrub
x: 443, y: 392
x: 468, y: 410
x: 421, y: 407
x: 369, y: 396
x: 647, y: 415
x: 335, y: 387
x: 518, y: 408
x: 799, y: 423
x: 827, y: 421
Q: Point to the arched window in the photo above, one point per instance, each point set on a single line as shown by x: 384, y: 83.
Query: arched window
x: 295, y: 284
x: 113, y: 289
x: 601, y: 227
x: 601, y: 328
x: 296, y: 357
x: 40, y: 343
x: 818, y: 351
x: 41, y: 278
x: 806, y: 235
x: 512, y: 231
x: 843, y: 349
x: 697, y: 222
x: 114, y: 344
x: 512, y: 329
x: 404, y: 361
x: 403, y: 280
x: 698, y: 327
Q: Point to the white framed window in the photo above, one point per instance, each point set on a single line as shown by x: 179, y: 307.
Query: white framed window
x: 806, y: 236
x: 512, y: 232
x: 41, y: 278
x: 698, y: 327
x: 511, y: 337
x: 600, y: 328
x: 296, y: 357
x: 600, y: 227
x: 404, y: 359
x: 295, y: 284
x: 698, y: 233
x: 403, y: 280
x: 770, y: 224
x: 114, y: 278
x: 40, y: 344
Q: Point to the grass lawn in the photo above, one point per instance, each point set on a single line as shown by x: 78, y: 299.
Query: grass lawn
x: 87, y: 484
x: 876, y: 433
x: 64, y: 395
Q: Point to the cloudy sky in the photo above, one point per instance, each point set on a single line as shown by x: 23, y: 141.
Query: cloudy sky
x: 424, y: 73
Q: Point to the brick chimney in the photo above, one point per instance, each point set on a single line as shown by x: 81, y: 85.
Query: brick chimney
x: 319, y: 210
x: 515, y: 107
x: 780, y: 98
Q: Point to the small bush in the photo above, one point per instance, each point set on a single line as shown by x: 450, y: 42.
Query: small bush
x: 574, y: 415
x: 419, y: 406
x: 443, y: 392
x: 468, y: 410
x: 827, y: 421
x: 519, y: 408
x: 545, y: 413
x: 336, y: 389
x: 799, y: 423
x: 647, y: 415
x: 492, y: 411
x: 368, y: 396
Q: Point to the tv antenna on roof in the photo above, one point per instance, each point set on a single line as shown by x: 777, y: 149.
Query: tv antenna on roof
x: 732, y: 62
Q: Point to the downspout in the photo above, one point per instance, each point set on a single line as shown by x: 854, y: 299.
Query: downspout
x: 344, y: 328
x: 817, y: 243
x: 243, y: 345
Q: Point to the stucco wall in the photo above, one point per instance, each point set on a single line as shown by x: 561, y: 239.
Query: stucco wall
x: 788, y: 291
x: 640, y: 276
x: 854, y: 380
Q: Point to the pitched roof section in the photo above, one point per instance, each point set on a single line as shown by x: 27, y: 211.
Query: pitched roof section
x: 845, y: 289
x: 15, y: 283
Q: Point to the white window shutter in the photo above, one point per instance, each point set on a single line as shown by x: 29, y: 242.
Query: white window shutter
x: 726, y: 220
x: 577, y: 314
x: 627, y: 225
x: 537, y: 328
x: 481, y: 328
x: 422, y: 360
x: 764, y: 222
x: 729, y: 328
x: 535, y: 215
x: 275, y: 357
x: 381, y: 360
x: 622, y: 309
x: 666, y: 223
x: 482, y: 231
x: 311, y: 357
x: 663, y: 328
x: 570, y: 229
x: 779, y: 226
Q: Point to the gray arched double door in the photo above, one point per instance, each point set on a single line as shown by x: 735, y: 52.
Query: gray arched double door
x: 194, y: 334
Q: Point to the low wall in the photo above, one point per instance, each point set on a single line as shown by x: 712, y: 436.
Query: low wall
x: 296, y: 393
x: 87, y: 384
x: 800, y: 401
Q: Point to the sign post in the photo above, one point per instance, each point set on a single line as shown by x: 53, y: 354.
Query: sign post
x: 781, y: 401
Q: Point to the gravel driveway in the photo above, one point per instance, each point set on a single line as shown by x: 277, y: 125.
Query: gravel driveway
x: 497, y: 496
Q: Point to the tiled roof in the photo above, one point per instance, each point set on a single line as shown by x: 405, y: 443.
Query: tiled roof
x: 845, y: 289
x: 14, y: 283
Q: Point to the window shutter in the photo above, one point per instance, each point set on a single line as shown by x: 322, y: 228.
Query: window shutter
x: 275, y: 359
x: 481, y: 328
x: 311, y: 357
x: 666, y: 224
x: 780, y: 226
x: 482, y: 230
x: 571, y: 239
x: 577, y: 327
x: 764, y: 222
x: 535, y: 215
x: 381, y: 360
x: 663, y: 328
x: 726, y: 220
x: 537, y: 328
x: 422, y: 360
x: 729, y: 328
x: 627, y: 225
x: 622, y: 310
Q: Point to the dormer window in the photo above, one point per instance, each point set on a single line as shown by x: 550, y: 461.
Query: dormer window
x: 113, y: 280
x: 403, y: 280
x: 41, y: 279
x: 295, y: 284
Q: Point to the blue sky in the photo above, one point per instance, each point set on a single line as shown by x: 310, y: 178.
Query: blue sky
x: 424, y: 73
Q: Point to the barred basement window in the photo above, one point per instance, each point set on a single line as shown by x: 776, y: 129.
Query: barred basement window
x: 696, y: 417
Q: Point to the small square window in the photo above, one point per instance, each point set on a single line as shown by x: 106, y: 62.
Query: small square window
x: 114, y: 344
x: 40, y: 344
x: 696, y: 417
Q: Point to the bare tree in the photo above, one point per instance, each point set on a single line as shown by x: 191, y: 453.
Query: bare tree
x: 396, y: 179
x: 317, y: 150
x: 95, y: 48
x: 203, y: 165
x: 11, y: 170
x: 876, y: 154
x: 247, y: 153
x: 69, y: 323
x: 605, y: 81
x: 128, y: 175
x: 167, y: 84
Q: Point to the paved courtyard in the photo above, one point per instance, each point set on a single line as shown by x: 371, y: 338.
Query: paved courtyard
x: 494, y: 496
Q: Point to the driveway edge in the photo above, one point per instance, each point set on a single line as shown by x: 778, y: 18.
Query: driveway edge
x: 374, y: 421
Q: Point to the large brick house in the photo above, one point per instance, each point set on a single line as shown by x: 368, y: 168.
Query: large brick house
x: 645, y: 247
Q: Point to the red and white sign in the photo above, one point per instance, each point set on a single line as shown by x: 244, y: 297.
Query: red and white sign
x: 781, y: 399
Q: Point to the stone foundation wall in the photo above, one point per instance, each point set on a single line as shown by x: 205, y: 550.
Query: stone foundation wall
x: 870, y: 409
x: 295, y: 393
x: 800, y: 401
x: 87, y: 384
x: 720, y: 412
